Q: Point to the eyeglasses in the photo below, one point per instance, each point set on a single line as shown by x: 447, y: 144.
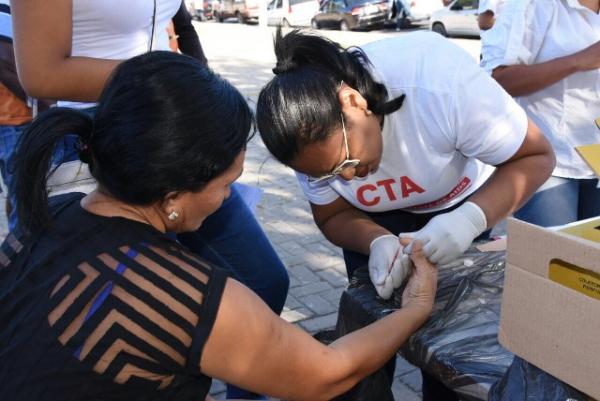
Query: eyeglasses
x: 346, y: 164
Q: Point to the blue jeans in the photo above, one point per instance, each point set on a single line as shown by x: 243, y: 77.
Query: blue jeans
x: 560, y: 201
x: 9, y: 140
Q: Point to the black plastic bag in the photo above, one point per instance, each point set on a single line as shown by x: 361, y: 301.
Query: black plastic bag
x: 525, y: 382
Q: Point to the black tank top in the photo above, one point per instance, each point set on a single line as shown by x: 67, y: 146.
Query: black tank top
x: 99, y: 308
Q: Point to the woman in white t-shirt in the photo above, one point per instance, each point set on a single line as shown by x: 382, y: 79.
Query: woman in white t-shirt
x: 397, y: 137
x: 547, y: 55
x: 66, y: 49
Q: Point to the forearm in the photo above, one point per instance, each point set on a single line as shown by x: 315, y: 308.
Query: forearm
x: 72, y: 78
x: 362, y: 354
x: 522, y: 80
x: 189, y: 43
x: 511, y: 186
x: 352, y: 230
x: 43, y: 50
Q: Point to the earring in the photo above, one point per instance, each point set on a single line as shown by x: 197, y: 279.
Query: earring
x: 173, y: 215
x: 369, y: 112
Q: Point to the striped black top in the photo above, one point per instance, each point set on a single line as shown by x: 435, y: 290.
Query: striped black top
x: 103, y: 308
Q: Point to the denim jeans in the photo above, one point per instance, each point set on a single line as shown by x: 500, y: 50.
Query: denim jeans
x: 560, y: 201
x: 9, y: 141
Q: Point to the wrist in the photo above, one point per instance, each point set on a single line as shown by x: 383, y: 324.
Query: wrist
x: 378, y: 237
x: 475, y: 215
x: 418, y: 313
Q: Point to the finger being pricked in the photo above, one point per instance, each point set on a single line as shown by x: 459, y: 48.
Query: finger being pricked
x: 418, y: 257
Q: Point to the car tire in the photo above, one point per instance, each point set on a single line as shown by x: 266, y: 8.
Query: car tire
x: 344, y: 26
x: 438, y: 27
x: 219, y: 17
x: 314, y: 24
x: 240, y: 18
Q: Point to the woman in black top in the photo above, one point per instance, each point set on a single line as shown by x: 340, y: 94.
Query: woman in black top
x: 98, y: 303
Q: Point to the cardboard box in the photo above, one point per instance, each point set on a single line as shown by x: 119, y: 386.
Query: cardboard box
x: 551, y: 301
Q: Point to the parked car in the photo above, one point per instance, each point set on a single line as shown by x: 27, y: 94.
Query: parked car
x: 201, y: 10
x: 458, y: 18
x: 417, y: 12
x: 244, y: 10
x: 291, y: 12
x: 351, y: 14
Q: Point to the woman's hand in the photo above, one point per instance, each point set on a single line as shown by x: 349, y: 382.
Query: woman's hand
x: 448, y: 235
x: 388, y: 265
x: 422, y: 284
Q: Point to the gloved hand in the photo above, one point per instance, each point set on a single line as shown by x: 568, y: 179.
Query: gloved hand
x: 389, y: 266
x: 448, y: 235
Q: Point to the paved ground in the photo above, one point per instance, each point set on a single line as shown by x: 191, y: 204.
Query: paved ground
x: 243, y: 54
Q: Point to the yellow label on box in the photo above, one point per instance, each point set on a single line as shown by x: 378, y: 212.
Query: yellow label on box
x: 591, y: 155
x: 576, y: 278
x: 589, y: 230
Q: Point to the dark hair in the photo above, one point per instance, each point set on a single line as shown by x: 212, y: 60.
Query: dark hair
x: 300, y: 105
x: 164, y: 123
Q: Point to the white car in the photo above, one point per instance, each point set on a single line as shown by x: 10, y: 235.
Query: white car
x: 291, y: 12
x: 458, y: 18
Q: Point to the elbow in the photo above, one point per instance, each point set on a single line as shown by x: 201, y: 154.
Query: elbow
x: 36, y: 87
x: 333, y: 379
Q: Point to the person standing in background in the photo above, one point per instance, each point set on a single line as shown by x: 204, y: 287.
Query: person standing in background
x: 186, y: 35
x: 15, y: 112
x: 547, y: 55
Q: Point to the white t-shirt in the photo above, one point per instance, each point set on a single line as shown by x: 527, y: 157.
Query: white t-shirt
x: 454, y: 119
x: 118, y: 30
x: 539, y: 31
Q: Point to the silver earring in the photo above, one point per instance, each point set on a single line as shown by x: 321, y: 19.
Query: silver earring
x: 173, y: 215
x: 369, y: 112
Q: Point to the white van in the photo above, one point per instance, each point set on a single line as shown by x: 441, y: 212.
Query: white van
x: 291, y: 12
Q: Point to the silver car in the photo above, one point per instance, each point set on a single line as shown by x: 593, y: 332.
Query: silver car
x: 457, y: 18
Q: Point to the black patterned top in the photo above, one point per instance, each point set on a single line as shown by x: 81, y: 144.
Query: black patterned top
x: 101, y: 308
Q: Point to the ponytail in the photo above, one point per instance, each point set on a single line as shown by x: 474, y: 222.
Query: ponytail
x: 300, y: 105
x: 34, y: 160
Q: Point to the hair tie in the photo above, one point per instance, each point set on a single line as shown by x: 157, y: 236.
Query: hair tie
x: 84, y: 151
x: 284, y: 66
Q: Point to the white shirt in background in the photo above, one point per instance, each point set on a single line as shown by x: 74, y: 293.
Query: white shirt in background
x: 118, y: 30
x: 539, y: 31
x: 454, y: 120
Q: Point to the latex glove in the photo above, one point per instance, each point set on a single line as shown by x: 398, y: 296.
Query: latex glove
x: 389, y: 266
x: 448, y: 235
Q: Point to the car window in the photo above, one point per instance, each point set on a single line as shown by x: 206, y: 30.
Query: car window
x: 466, y: 5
